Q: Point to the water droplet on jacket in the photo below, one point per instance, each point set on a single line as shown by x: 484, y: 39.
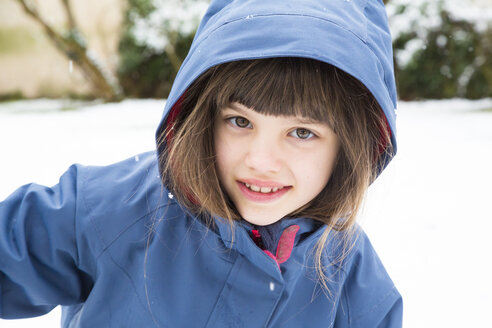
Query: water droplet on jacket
x: 249, y: 16
x: 171, y: 196
x: 272, y: 286
x: 137, y: 158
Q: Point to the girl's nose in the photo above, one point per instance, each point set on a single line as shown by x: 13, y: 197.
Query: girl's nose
x: 263, y: 156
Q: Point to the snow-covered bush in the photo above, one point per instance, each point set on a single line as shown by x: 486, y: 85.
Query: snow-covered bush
x: 156, y: 37
x: 442, y: 48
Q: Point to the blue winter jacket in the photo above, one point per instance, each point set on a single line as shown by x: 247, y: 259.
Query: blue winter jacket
x: 113, y: 247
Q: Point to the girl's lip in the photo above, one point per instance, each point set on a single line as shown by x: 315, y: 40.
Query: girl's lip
x: 259, y: 196
x: 259, y: 183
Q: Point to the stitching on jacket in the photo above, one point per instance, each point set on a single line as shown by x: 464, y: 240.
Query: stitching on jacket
x: 391, y: 292
x: 342, y: 267
x: 77, y: 260
x: 83, y: 185
x: 297, y: 15
x: 223, y: 290
x: 345, y: 299
x: 144, y: 306
x: 1, y: 293
x: 274, y: 307
x: 95, y: 223
x: 122, y: 232
x: 250, y: 17
x: 220, y: 250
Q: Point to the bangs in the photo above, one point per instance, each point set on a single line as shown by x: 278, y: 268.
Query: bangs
x: 279, y: 87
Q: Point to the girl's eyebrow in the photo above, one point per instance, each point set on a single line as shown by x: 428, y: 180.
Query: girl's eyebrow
x: 237, y: 107
x: 304, y: 120
x: 307, y: 120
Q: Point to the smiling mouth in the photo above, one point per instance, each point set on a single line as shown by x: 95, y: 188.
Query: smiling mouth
x: 263, y: 190
x: 266, y: 193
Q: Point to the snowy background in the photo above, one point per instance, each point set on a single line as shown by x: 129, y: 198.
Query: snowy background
x: 423, y: 16
x: 428, y: 215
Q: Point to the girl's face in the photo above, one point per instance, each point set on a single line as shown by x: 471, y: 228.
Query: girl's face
x: 272, y: 165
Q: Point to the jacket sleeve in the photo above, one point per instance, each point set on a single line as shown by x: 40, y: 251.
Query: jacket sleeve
x: 38, y: 249
x: 368, y: 297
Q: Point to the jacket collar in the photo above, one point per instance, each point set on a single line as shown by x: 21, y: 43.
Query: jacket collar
x: 238, y: 238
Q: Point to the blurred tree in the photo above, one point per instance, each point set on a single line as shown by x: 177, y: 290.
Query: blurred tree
x: 157, y: 35
x: 72, y: 44
x: 437, y: 54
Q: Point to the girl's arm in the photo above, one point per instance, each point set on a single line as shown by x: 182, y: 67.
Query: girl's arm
x: 39, y: 259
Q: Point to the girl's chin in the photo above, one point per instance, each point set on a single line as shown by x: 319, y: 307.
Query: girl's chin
x: 259, y: 220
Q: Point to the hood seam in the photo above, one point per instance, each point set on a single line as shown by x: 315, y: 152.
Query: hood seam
x: 253, y: 16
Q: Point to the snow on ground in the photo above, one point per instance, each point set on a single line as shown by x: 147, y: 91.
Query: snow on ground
x: 428, y: 215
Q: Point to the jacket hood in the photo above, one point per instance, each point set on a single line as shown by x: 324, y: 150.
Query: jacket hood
x: 352, y: 35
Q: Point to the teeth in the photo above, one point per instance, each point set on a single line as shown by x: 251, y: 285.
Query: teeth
x: 264, y: 190
x: 255, y: 188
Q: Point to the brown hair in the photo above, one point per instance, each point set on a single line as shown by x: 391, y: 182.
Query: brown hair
x: 277, y: 86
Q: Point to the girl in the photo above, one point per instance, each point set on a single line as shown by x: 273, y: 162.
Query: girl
x: 279, y: 119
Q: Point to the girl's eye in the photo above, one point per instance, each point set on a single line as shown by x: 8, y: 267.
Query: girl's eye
x: 302, y: 133
x: 239, y: 121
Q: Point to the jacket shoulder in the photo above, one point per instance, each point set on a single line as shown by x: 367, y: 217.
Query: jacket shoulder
x: 116, y: 196
x: 51, y: 238
x: 368, y: 296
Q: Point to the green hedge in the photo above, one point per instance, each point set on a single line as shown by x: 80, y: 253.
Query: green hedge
x: 143, y: 71
x: 455, y: 59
